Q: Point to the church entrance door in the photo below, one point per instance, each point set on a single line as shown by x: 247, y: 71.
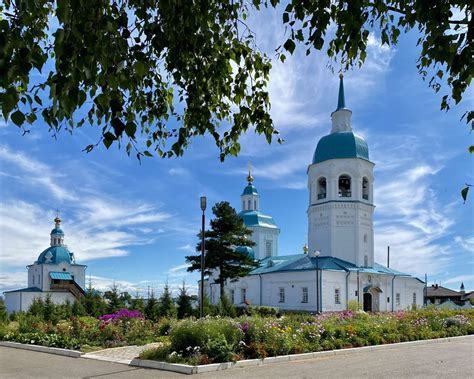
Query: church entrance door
x: 367, y: 302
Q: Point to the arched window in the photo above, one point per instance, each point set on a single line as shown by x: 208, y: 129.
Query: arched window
x: 255, y: 204
x: 243, y: 205
x: 345, y: 186
x: 249, y: 204
x: 321, y: 188
x: 365, y: 189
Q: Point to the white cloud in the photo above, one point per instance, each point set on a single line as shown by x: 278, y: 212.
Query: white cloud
x: 459, y: 279
x: 188, y: 248
x: 466, y: 243
x: 39, y: 174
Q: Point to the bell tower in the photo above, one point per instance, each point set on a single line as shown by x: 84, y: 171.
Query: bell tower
x: 340, y: 184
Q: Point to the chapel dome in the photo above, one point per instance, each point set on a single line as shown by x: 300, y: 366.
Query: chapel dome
x: 343, y: 144
x: 250, y: 189
x: 245, y: 250
x: 55, y: 255
x: 57, y: 231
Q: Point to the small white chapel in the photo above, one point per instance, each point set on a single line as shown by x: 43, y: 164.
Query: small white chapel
x: 337, y: 266
x: 55, y: 273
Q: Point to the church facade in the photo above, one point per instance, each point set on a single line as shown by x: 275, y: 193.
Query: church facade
x: 337, y: 266
x: 55, y: 273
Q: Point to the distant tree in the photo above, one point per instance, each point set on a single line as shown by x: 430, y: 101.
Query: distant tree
x: 114, y: 299
x: 152, y: 311
x: 3, y: 311
x: 184, y: 303
x: 93, y: 303
x: 49, y: 309
x: 137, y: 303
x: 227, y: 233
x: 77, y: 309
x: 126, y: 299
x: 65, y: 310
x: 167, y: 307
x: 37, y: 307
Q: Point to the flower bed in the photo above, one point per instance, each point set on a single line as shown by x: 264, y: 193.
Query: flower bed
x: 214, y: 340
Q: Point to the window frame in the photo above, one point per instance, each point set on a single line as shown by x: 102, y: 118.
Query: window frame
x: 304, y: 294
x: 281, y: 294
x: 243, y: 295
x: 337, y: 296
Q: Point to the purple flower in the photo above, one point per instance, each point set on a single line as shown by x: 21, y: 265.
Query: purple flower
x: 121, y: 314
x: 244, y: 327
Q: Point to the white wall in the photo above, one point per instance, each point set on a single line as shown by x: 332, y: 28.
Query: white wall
x: 21, y: 301
x: 337, y: 225
x: 268, y: 286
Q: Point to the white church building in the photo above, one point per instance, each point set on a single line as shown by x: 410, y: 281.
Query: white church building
x: 55, y: 273
x: 338, y: 265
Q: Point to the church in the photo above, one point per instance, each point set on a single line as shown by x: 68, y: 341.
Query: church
x: 55, y: 273
x: 337, y: 267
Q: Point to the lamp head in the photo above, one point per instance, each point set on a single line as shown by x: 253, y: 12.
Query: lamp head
x: 203, y: 203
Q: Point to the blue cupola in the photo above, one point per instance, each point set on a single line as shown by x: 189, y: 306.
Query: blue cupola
x: 58, y: 251
x: 250, y: 197
x: 342, y: 142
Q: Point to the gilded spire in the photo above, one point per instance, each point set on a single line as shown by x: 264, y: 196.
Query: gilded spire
x: 341, y: 102
x: 250, y: 177
x: 57, y: 220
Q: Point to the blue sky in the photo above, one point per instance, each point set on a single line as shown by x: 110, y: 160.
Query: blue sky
x: 134, y: 223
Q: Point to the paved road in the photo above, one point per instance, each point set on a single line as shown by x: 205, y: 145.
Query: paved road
x: 453, y: 359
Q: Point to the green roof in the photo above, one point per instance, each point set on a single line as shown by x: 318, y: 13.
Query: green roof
x: 256, y: 218
x: 341, y: 145
x: 303, y: 262
x: 29, y: 289
x: 60, y: 275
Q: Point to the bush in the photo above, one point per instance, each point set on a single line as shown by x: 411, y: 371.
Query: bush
x: 214, y: 337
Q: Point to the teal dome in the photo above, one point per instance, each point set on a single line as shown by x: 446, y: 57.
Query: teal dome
x: 245, y: 250
x: 341, y: 145
x: 55, y: 255
x: 250, y: 190
x: 58, y: 231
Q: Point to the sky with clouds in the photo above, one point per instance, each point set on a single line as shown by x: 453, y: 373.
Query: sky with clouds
x: 134, y: 223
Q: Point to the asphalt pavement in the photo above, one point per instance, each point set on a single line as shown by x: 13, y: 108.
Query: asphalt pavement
x: 447, y: 359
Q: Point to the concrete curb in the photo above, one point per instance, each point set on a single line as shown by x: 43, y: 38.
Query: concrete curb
x: 187, y: 369
x: 43, y: 349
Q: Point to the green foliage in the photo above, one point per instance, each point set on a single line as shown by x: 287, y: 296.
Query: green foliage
x: 197, y: 64
x: 227, y: 232
x: 216, y: 338
x: 78, y: 309
x: 354, y: 305
x: 38, y: 338
x: 115, y: 300
x: 184, y: 303
x: 166, y: 303
x: 152, y: 311
x: 141, y: 65
x: 3, y: 312
x: 93, y: 303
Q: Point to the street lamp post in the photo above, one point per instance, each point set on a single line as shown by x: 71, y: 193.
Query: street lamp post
x: 201, y: 302
x: 317, y: 253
